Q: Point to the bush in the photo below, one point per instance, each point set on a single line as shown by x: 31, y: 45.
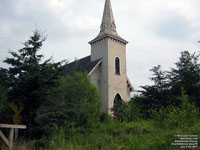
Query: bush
x: 176, y: 117
x: 74, y: 99
x: 105, y: 117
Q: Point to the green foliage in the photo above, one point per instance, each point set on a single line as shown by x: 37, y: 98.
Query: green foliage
x: 121, y: 110
x: 105, y: 117
x: 3, y: 98
x: 172, y: 116
x: 158, y: 94
x: 65, y: 112
x: 3, y: 90
x: 126, y: 111
x: 73, y: 99
x: 142, y: 106
x: 58, y: 142
x: 139, y: 135
x: 135, y: 109
x: 186, y: 75
x: 5, y: 112
x: 167, y: 84
x: 189, y: 112
x: 30, y: 78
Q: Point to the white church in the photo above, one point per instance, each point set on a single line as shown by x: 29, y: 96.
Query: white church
x: 106, y: 66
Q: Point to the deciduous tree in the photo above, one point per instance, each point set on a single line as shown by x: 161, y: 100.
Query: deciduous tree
x: 74, y: 99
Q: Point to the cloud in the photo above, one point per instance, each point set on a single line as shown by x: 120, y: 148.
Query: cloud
x: 171, y: 26
x: 156, y: 29
x: 85, y: 22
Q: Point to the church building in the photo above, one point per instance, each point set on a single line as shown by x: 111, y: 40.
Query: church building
x: 106, y: 66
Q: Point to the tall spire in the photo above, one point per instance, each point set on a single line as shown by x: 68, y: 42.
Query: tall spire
x: 108, y: 22
x: 108, y: 27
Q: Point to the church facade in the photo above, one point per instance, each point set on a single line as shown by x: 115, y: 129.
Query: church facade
x: 106, y: 66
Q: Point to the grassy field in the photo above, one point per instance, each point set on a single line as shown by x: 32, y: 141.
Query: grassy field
x: 139, y: 135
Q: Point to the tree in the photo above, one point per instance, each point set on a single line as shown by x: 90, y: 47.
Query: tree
x: 140, y: 107
x: 158, y: 94
x: 5, y: 112
x: 186, y: 75
x: 74, y: 99
x: 183, y: 116
x: 168, y: 84
x: 30, y: 78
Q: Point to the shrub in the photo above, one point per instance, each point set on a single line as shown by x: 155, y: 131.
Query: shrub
x: 173, y: 117
x: 74, y: 99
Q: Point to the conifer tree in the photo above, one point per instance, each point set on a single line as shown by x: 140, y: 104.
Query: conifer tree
x: 168, y: 84
x: 186, y: 75
x: 5, y: 112
x: 30, y: 78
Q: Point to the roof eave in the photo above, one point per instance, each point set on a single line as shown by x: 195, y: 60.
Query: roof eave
x: 91, y: 71
x: 98, y: 38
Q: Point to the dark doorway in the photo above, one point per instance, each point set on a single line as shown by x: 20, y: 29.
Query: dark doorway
x: 117, y: 104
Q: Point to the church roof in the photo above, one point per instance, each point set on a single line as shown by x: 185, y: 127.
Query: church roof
x: 108, y: 27
x: 82, y: 65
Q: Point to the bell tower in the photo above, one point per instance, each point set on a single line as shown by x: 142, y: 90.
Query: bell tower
x: 108, y: 46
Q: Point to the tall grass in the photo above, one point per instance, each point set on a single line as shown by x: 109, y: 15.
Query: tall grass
x: 155, y: 134
x: 140, y: 135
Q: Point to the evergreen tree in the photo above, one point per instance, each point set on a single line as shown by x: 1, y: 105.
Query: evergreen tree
x: 186, y: 75
x: 5, y: 112
x: 30, y: 78
x: 157, y: 94
x: 168, y: 84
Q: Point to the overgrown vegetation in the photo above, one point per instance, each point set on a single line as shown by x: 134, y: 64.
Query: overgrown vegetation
x: 140, y: 135
x: 30, y: 78
x: 168, y: 85
x: 74, y: 100
x: 64, y: 113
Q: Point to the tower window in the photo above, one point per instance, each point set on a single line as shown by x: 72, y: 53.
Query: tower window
x: 117, y: 65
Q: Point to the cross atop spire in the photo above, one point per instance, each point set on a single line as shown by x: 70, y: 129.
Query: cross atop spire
x: 108, y: 22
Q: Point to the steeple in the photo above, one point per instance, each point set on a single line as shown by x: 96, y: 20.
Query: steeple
x: 108, y: 27
x: 109, y: 49
x: 108, y: 22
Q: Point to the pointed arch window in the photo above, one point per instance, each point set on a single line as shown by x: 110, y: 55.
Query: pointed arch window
x: 117, y: 66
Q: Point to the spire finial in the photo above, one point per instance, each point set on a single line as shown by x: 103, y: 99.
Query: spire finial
x: 108, y: 22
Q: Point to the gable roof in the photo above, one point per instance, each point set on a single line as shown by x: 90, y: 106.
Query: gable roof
x: 82, y: 65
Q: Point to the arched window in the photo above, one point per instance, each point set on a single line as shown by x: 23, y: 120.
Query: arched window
x: 117, y: 65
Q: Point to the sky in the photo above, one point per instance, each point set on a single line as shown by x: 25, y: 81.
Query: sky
x: 157, y: 30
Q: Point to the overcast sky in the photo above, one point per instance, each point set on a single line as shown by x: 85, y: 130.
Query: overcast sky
x: 157, y: 30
